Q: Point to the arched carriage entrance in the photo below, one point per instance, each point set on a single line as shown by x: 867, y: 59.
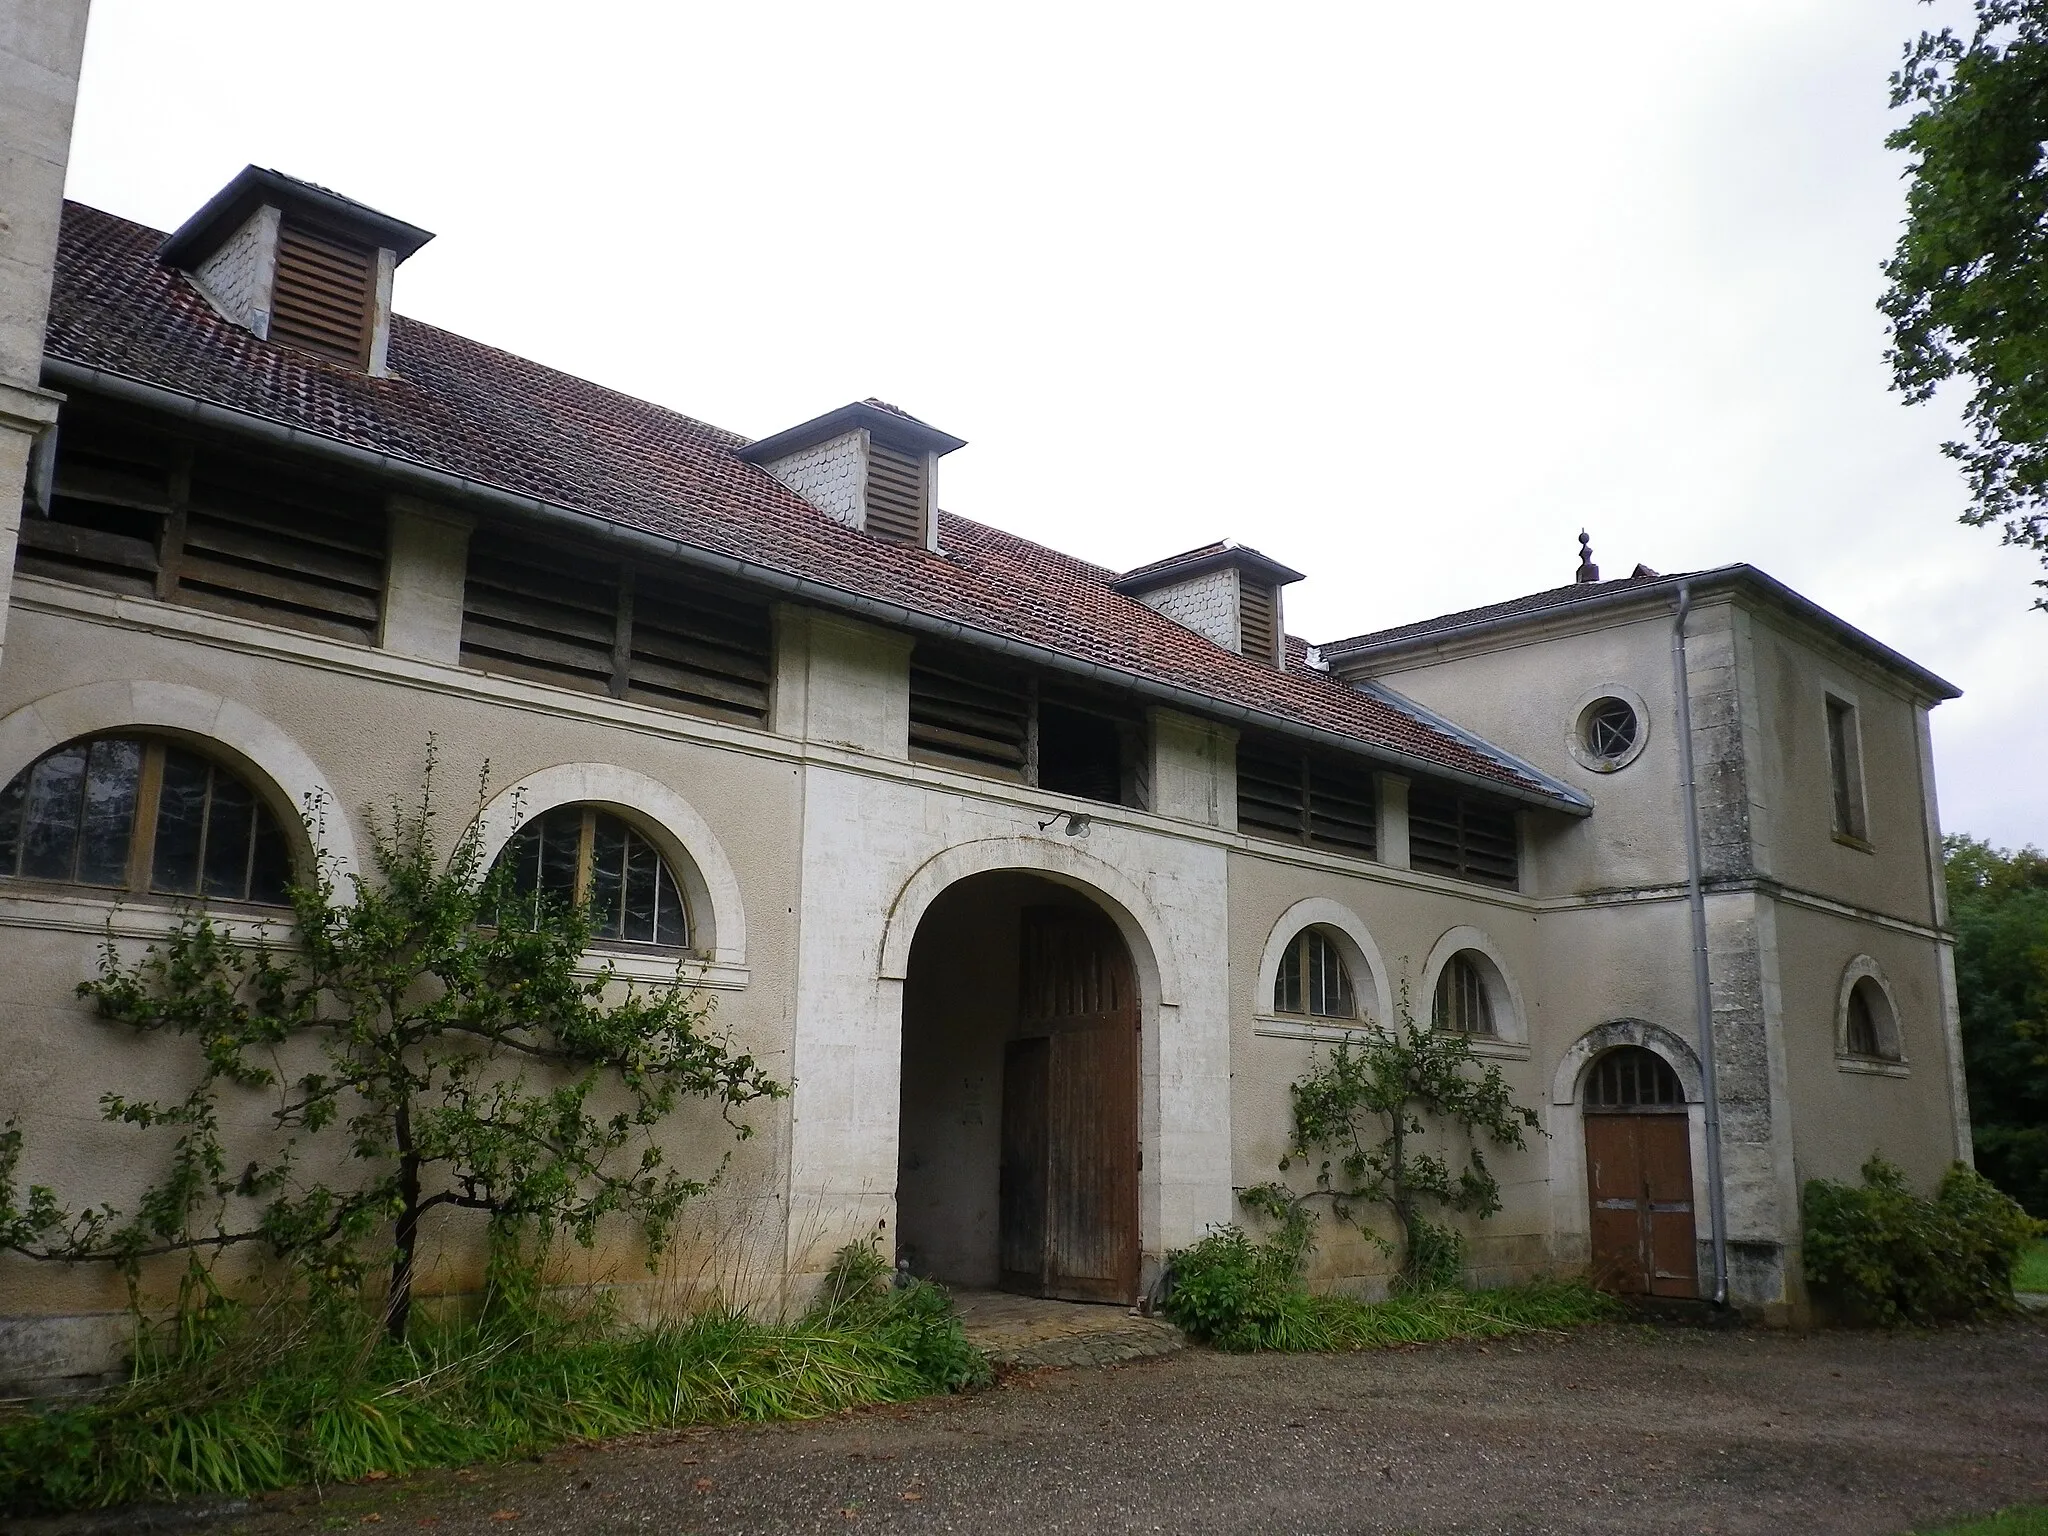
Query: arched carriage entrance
x: 1018, y: 1151
x: 1639, y: 1175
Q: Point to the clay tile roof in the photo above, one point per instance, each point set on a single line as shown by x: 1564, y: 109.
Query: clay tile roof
x: 456, y: 406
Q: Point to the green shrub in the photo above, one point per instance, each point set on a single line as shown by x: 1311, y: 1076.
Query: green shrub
x: 1885, y: 1255
x: 1240, y: 1295
x: 232, y: 1399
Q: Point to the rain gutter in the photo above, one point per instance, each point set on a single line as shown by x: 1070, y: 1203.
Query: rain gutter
x: 414, y: 475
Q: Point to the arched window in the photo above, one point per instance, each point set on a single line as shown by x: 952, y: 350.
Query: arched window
x: 580, y: 854
x: 142, y: 814
x: 1632, y: 1078
x: 1313, y: 979
x: 1461, y: 1005
x: 1870, y: 1029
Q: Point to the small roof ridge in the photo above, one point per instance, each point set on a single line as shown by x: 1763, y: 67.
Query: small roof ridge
x: 1214, y: 555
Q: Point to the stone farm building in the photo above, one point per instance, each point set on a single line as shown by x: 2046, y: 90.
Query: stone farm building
x: 1039, y: 882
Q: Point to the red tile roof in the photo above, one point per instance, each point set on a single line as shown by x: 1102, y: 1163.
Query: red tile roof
x: 462, y: 408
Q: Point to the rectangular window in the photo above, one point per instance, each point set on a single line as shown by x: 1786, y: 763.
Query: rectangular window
x: 1845, y: 770
x: 974, y: 714
x: 1304, y: 796
x: 1450, y: 833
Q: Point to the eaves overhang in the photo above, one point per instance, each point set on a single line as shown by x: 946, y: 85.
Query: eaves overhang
x: 1661, y: 592
x: 1166, y: 573
x: 1542, y: 793
x: 253, y: 186
x: 891, y: 426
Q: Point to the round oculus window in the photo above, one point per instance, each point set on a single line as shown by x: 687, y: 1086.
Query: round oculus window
x: 1608, y: 729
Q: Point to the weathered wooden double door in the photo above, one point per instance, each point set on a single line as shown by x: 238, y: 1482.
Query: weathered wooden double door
x: 1069, y: 1200
x: 1639, y: 1175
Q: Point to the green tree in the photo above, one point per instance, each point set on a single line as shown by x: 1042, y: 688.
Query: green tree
x: 461, y: 1062
x: 1969, y: 279
x: 1362, y: 1116
x: 1998, y: 906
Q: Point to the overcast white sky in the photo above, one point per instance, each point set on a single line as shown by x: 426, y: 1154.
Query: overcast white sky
x: 1400, y: 294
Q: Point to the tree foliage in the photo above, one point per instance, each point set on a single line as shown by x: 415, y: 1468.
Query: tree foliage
x: 413, y: 1053
x: 1969, y: 279
x: 1363, y: 1115
x: 1998, y: 906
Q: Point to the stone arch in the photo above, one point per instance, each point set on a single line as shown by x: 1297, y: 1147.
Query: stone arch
x: 1355, y: 942
x: 685, y: 839
x: 276, y: 766
x: 1510, y: 1017
x: 1125, y: 902
x: 1890, y: 1035
x: 1673, y: 1048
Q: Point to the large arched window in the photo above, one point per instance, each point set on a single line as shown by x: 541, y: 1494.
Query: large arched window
x: 1870, y: 1027
x: 1313, y: 979
x: 580, y: 854
x: 142, y: 814
x: 1631, y: 1078
x: 1461, y: 1005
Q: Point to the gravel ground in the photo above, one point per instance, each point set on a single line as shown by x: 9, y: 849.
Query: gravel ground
x: 1612, y: 1429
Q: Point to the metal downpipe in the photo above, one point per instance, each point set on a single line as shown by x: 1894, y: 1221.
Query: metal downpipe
x: 1703, y: 998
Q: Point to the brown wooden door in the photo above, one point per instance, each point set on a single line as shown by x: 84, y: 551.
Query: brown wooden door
x: 1070, y: 1113
x: 1639, y: 1179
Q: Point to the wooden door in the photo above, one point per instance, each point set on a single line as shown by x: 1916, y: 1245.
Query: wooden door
x: 1639, y: 1179
x: 1070, y: 1113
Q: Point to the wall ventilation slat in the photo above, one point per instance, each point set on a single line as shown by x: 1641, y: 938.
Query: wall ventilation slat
x: 896, y: 494
x: 1302, y: 796
x: 323, y: 295
x: 1463, y: 836
x: 966, y: 713
x: 1258, y: 621
x: 549, y: 615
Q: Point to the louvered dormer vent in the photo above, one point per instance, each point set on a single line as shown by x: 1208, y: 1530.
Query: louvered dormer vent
x: 1224, y: 592
x: 896, y: 494
x: 324, y: 296
x: 867, y: 465
x: 298, y: 265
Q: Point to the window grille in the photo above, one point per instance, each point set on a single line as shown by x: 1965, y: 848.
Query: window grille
x: 579, y: 855
x: 1258, y: 608
x: 1313, y: 979
x: 140, y: 814
x: 896, y: 494
x: 1610, y: 729
x: 1461, y: 1005
x: 1632, y: 1078
x: 323, y: 296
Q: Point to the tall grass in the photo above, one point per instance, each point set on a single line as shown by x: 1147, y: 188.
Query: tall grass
x: 246, y: 1399
x: 1236, y: 1294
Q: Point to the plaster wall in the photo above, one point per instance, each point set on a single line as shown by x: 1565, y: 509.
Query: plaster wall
x: 1526, y: 695
x: 360, y: 720
x: 1207, y: 604
x: 237, y: 279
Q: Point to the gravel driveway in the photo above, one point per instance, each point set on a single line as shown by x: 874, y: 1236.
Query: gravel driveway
x: 1612, y: 1429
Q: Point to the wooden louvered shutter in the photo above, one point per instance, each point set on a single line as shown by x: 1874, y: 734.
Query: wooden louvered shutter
x: 896, y: 494
x: 1258, y: 620
x: 323, y: 296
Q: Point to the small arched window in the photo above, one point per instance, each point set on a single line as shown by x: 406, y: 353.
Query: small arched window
x: 143, y: 815
x: 1632, y: 1078
x: 1313, y: 979
x: 578, y: 854
x: 1870, y: 1029
x: 1461, y: 1005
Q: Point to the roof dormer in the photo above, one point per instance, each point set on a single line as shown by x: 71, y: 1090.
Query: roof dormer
x: 1224, y: 592
x: 297, y: 264
x: 867, y: 465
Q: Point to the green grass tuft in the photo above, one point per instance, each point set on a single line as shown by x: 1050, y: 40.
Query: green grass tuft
x: 279, y: 1396
x: 2031, y: 1521
x: 2032, y: 1271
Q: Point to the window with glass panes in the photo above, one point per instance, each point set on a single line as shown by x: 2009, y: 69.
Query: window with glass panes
x: 1462, y: 1006
x: 579, y: 855
x: 1314, y: 980
x: 142, y: 815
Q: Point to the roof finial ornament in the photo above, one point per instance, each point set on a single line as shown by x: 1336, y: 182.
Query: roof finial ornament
x: 1588, y: 571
